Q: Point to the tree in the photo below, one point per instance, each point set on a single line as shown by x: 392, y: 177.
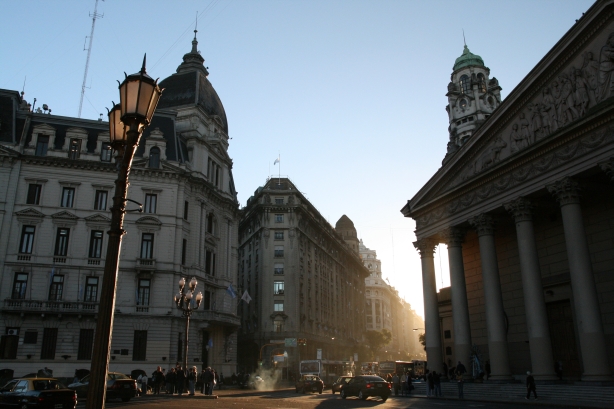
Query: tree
x: 422, y: 340
x: 377, y: 339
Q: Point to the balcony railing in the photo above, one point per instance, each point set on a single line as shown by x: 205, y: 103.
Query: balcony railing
x: 146, y: 263
x: 50, y: 306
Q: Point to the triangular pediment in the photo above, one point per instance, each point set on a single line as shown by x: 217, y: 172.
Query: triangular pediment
x: 525, y: 136
x: 97, y: 218
x: 64, y: 215
x: 29, y: 213
x: 6, y: 151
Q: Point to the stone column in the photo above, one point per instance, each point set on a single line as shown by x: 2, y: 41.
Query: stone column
x: 432, y: 325
x: 495, y: 316
x: 453, y: 237
x: 585, y: 298
x: 534, y: 302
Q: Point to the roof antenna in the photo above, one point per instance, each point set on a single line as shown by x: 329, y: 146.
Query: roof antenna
x: 464, y: 38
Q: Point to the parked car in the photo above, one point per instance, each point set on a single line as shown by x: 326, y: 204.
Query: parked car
x: 37, y: 393
x: 366, y: 385
x: 309, y: 383
x: 342, y: 380
x: 119, y: 386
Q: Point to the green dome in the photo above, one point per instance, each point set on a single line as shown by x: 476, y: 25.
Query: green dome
x: 467, y: 59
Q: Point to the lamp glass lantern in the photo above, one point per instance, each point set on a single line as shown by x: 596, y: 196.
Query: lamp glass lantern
x: 139, y: 95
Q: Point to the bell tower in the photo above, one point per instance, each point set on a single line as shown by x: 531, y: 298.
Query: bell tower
x: 472, y: 98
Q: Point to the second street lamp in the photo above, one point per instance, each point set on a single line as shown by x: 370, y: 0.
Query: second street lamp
x: 187, y: 303
x: 139, y: 96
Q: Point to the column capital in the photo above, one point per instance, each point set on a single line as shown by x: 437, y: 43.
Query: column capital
x: 608, y: 168
x: 484, y: 224
x: 426, y: 247
x: 453, y: 236
x: 566, y: 191
x: 521, y: 209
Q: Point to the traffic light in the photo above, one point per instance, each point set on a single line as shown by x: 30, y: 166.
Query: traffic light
x: 302, y: 341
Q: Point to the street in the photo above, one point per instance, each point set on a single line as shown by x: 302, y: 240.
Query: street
x: 243, y: 399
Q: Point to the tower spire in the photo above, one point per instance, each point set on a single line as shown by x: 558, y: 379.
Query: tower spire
x: 464, y: 41
x: 195, y: 41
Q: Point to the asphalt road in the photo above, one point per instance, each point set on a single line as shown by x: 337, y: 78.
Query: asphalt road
x: 288, y: 399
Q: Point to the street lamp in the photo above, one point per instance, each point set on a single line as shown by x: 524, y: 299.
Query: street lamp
x: 139, y: 95
x: 184, y: 300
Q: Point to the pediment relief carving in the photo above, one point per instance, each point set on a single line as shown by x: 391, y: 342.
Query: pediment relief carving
x: 97, y: 220
x: 29, y: 213
x: 64, y: 215
x: 149, y: 220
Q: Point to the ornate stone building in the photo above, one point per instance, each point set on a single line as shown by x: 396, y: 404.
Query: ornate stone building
x: 58, y: 177
x: 525, y: 207
x: 304, y: 280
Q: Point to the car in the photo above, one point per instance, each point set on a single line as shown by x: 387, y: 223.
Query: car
x: 364, y: 386
x: 342, y: 380
x: 119, y: 386
x: 309, y: 383
x: 37, y: 393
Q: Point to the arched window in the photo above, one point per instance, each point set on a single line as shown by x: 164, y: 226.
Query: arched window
x: 154, y: 157
x: 465, y: 84
x: 481, y: 82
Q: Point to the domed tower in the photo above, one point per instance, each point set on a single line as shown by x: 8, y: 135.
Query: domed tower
x: 472, y: 97
x: 345, y: 227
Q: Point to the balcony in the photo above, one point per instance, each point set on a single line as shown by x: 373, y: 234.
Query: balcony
x: 75, y: 307
x: 146, y: 263
x: 93, y: 261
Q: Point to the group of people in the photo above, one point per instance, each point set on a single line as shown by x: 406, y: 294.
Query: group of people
x: 178, y: 381
x: 402, y: 383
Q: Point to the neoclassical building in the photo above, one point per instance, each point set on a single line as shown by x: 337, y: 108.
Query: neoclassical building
x: 305, y: 279
x: 524, y: 201
x: 58, y: 175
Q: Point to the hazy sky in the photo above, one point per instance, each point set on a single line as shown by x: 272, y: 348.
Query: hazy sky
x: 351, y: 93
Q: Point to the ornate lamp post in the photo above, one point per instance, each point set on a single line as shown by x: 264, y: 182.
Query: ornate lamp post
x: 183, y: 299
x: 139, y: 96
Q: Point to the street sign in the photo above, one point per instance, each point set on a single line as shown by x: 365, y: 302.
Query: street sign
x: 290, y: 342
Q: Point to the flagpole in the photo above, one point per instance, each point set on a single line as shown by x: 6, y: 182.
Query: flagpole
x: 279, y: 167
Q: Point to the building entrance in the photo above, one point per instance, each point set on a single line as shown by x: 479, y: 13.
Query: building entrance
x: 563, y: 336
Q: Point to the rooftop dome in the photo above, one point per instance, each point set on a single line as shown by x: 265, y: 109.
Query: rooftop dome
x: 190, y: 86
x: 467, y: 59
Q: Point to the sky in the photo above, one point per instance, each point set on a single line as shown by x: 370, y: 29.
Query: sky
x: 350, y: 94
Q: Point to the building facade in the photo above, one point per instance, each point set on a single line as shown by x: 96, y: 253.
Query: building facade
x: 58, y: 174
x: 525, y: 207
x: 304, y: 281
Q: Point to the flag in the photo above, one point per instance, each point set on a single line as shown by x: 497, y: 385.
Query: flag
x: 246, y: 297
x: 276, y: 162
x: 210, y: 343
x: 231, y: 291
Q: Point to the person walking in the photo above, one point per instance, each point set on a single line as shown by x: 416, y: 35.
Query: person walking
x: 208, y: 379
x: 395, y: 384
x: 460, y: 382
x: 437, y: 383
x: 191, y: 381
x: 180, y: 380
x: 403, y: 384
x: 430, y: 385
x: 221, y: 382
x: 530, y: 386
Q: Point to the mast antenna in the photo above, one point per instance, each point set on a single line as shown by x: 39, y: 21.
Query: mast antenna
x: 94, y: 16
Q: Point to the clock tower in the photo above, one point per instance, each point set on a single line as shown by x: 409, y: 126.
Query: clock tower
x: 472, y: 97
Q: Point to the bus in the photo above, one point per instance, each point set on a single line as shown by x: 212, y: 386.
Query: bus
x: 327, y: 370
x: 415, y: 367
x: 369, y: 368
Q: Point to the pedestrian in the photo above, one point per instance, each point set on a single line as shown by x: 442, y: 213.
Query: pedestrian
x: 142, y: 381
x: 487, y: 368
x: 437, y: 383
x: 208, y: 378
x: 396, y: 384
x: 461, y: 368
x: 530, y: 386
x: 403, y: 384
x: 180, y: 380
x: 156, y: 378
x: 460, y: 382
x: 191, y: 381
x: 171, y: 381
x: 430, y: 384
x: 410, y: 387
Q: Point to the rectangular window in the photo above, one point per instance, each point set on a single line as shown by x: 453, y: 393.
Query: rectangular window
x: 86, y: 344
x: 279, y: 251
x: 210, y: 263
x: 106, y: 152
x: 207, y: 300
x: 100, y: 200
x: 68, y: 196
x: 278, y: 305
x: 279, y: 235
x: 278, y: 287
x: 278, y: 268
x: 139, y: 346
x: 20, y: 284
x: 184, y: 249
x: 447, y: 334
x: 30, y: 337
x: 34, y: 193
x: 150, y: 203
x: 27, y: 239
x: 144, y: 286
x: 448, y: 350
x: 96, y: 244
x: 9, y: 343
x: 186, y: 207
x: 50, y: 339
x: 61, y: 242
x: 91, y: 289
x: 57, y: 288
x: 147, y: 246
x: 42, y: 144
x: 279, y: 218
x: 279, y: 200
x: 74, y: 149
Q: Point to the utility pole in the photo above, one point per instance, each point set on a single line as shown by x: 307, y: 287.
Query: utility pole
x: 89, y: 51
